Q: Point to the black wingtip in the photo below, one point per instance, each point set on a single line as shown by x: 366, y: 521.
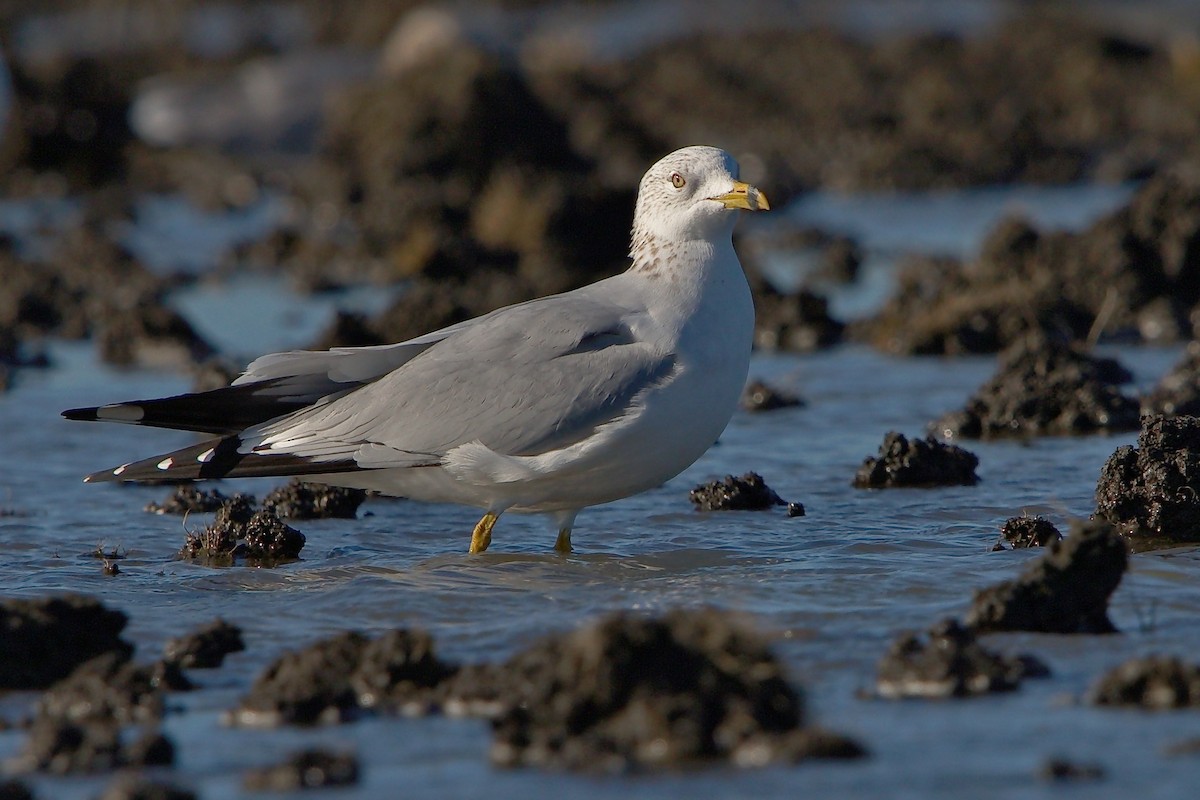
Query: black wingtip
x: 84, y: 414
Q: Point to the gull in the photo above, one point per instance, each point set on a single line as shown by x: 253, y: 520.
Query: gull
x: 548, y: 406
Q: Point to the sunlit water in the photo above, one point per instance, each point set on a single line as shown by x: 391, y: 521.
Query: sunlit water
x: 832, y: 588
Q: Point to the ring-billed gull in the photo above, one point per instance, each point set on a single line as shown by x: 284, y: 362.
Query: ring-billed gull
x: 548, y: 406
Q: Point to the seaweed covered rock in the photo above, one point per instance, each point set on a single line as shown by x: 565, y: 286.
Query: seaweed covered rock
x: 205, y: 648
x: 299, y: 500
x: 949, y: 663
x: 336, y: 678
x: 1064, y: 591
x: 761, y: 396
x: 799, y: 321
x: 1152, y: 492
x: 308, y: 769
x: 747, y: 493
x: 45, y: 640
x: 917, y: 462
x: 188, y: 499
x: 238, y: 531
x: 1131, y: 274
x: 1045, y: 388
x: 1178, y: 392
x: 1154, y: 682
x: 79, y: 721
x: 627, y: 692
x: 1026, y: 531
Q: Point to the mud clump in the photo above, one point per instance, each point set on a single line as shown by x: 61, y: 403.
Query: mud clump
x: 44, y: 640
x: 1151, y: 492
x: 950, y: 663
x: 78, y: 722
x: 1155, y: 683
x: 1061, y: 769
x: 238, y: 531
x: 798, y: 321
x: 1065, y: 591
x: 1132, y: 274
x: 629, y: 693
x: 135, y: 788
x: 300, y: 500
x: 205, y: 648
x: 187, y: 499
x: 1178, y: 392
x: 336, y: 679
x: 760, y: 396
x: 152, y: 336
x: 1025, y: 531
x: 916, y: 463
x: 747, y: 493
x: 1045, y: 388
x: 310, y: 769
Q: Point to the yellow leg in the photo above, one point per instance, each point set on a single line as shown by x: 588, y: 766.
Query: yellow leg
x: 563, y: 543
x: 481, y: 537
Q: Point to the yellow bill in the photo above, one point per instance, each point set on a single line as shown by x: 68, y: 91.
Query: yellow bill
x: 744, y: 196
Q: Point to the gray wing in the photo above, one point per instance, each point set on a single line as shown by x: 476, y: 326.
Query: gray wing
x: 272, y: 386
x: 522, y: 381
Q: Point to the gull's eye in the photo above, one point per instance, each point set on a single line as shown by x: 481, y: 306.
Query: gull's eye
x: 677, y: 180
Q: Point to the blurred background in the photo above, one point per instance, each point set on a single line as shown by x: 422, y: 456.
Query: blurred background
x: 454, y: 157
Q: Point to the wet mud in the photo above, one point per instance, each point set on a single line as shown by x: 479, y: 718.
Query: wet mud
x: 1154, y: 683
x: 1045, y: 387
x: 239, y: 532
x: 1025, y: 531
x: 916, y: 463
x: 747, y: 493
x: 949, y: 662
x: 761, y: 396
x: 310, y: 769
x: 298, y: 500
x: 1150, y: 492
x: 45, y: 640
x: 1065, y: 591
x: 206, y: 647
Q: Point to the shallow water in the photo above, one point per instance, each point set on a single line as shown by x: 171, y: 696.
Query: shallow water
x: 832, y: 588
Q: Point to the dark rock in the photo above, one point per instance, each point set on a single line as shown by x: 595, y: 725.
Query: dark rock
x: 1060, y: 769
x: 238, y: 531
x: 1025, y: 531
x: 151, y: 749
x: 747, y: 493
x: 1178, y: 392
x: 269, y: 539
x: 632, y: 693
x: 187, y: 499
x: 798, y: 321
x: 151, y: 335
x: 334, y: 679
x: 310, y: 769
x: 1064, y: 591
x: 1184, y: 747
x: 1042, y: 388
x: 306, y: 686
x: 135, y: 788
x: 44, y: 640
x: 917, y: 462
x: 300, y: 500
x: 795, y: 509
x: 214, y: 373
x: 397, y: 670
x: 1152, y: 492
x: 759, y: 396
x: 66, y: 748
x: 14, y: 790
x: 1132, y: 274
x: 950, y: 664
x: 205, y: 648
x: 108, y: 688
x: 1155, y: 683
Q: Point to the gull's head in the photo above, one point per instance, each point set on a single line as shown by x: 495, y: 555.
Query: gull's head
x: 692, y: 194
